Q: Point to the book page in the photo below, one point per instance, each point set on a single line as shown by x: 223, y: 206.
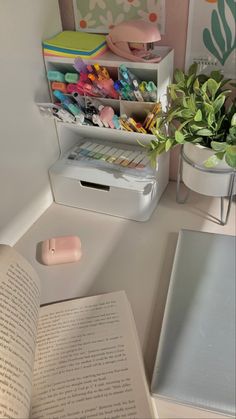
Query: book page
x: 19, y: 307
x: 88, y: 363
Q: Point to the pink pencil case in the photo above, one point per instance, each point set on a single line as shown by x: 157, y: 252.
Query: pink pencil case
x: 62, y: 249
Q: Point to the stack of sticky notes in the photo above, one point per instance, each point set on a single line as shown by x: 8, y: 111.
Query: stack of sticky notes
x: 71, y: 44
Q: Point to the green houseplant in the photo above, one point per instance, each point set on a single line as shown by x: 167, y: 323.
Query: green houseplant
x: 199, y: 111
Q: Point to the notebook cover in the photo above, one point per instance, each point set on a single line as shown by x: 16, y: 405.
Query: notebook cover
x: 195, y: 362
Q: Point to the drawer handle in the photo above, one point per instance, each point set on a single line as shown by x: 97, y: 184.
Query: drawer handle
x: 94, y: 185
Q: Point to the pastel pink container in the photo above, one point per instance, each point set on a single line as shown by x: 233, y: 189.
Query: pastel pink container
x: 62, y: 249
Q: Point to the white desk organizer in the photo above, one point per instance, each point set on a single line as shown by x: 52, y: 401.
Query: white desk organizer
x: 84, y: 187
x: 116, y: 191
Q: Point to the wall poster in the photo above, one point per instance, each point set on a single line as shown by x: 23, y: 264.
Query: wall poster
x: 101, y: 15
x: 211, y: 40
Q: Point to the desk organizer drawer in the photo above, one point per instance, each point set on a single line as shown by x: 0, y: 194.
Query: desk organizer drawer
x: 111, y: 192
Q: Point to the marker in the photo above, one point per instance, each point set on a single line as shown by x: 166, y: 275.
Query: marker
x: 79, y: 65
x: 71, y: 77
x: 137, y: 160
x: 105, y: 151
x: 58, y: 85
x: 143, y: 162
x: 115, y: 156
x: 101, y: 72
x: 55, y: 76
x: 98, y: 154
x: 132, y: 156
x: 127, y: 74
x: 71, y: 87
x: 123, y: 156
x: 110, y: 153
x: 126, y: 160
x: 73, y: 154
x: 67, y: 102
x: 91, y: 150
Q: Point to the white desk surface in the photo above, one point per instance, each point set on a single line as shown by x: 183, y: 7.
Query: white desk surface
x: 122, y: 254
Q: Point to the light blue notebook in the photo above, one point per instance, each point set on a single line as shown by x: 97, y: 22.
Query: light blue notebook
x: 195, y: 362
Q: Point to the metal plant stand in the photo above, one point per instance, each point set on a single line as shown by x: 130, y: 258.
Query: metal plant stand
x: 224, y: 215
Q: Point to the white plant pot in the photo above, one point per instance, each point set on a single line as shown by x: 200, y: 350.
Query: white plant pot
x: 211, y: 182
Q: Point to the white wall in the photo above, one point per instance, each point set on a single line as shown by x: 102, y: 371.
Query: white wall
x: 28, y: 142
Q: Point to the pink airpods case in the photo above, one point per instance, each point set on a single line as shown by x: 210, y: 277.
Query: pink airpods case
x: 62, y: 249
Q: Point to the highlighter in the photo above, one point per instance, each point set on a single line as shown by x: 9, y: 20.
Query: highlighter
x: 101, y: 72
x: 71, y: 77
x: 55, y: 76
x: 67, y: 103
x: 71, y: 87
x: 57, y: 85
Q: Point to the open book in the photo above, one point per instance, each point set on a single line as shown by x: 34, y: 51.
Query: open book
x: 74, y: 359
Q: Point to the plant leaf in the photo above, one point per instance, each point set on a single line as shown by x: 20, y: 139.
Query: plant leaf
x: 212, y: 86
x: 196, y: 127
x: 211, y: 118
x: 230, y: 156
x: 219, y: 122
x: 193, y: 69
x: 220, y: 155
x: 211, y: 161
x: 215, y: 145
x: 208, y: 108
x: 192, y: 103
x: 233, y: 120
x: 186, y: 113
x: 190, y: 80
x: 179, y: 76
x: 196, y: 86
x: 169, y: 144
x: 205, y: 132
x: 218, y: 103
x: 216, y: 75
x: 204, y: 87
x: 179, y: 137
x: 198, y: 116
